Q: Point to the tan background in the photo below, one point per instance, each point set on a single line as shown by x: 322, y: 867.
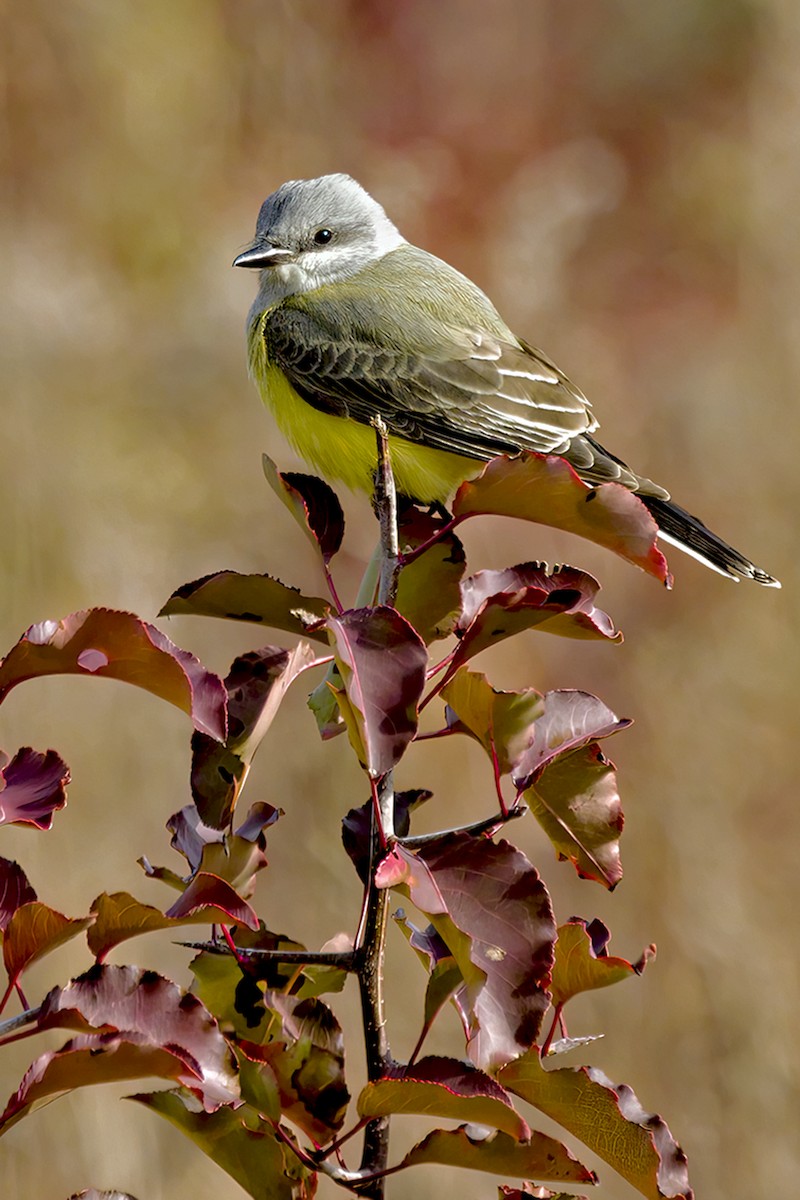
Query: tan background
x: 623, y: 179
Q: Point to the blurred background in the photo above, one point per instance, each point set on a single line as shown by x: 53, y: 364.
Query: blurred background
x: 622, y: 179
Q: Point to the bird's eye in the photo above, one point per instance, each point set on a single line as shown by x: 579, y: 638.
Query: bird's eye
x: 322, y: 237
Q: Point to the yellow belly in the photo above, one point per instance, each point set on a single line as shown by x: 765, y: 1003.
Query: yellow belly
x: 343, y: 449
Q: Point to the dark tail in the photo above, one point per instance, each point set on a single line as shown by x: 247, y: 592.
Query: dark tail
x: 689, y: 534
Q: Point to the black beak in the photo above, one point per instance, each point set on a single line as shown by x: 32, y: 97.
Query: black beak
x: 261, y: 255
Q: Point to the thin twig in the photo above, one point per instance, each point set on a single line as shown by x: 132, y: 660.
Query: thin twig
x: 20, y: 1021
x: 487, y: 825
x: 385, y: 503
x: 343, y: 959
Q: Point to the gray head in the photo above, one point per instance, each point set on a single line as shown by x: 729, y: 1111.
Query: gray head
x: 316, y: 231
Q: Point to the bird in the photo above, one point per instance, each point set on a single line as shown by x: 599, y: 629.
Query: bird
x: 352, y: 322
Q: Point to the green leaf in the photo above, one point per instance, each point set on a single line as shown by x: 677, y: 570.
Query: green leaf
x: 239, y: 1142
x: 257, y: 598
x: 607, y: 1118
x: 581, y: 967
x: 503, y: 722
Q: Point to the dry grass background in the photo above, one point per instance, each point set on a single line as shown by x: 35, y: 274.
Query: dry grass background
x: 623, y: 179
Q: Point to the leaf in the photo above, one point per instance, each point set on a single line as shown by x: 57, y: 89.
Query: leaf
x: 120, y: 916
x: 498, y: 924
x: 15, y: 890
x: 445, y: 1088
x: 32, y: 786
x: 503, y: 722
x: 312, y: 503
x: 539, y: 1193
x: 545, y: 489
x: 581, y: 965
x: 207, y: 890
x: 571, y: 719
x: 499, y: 604
x: 231, y: 856
x: 571, y: 788
x: 382, y: 662
x: 323, y: 705
x: 306, y: 1056
x: 85, y: 1061
x: 607, y: 1118
x: 256, y: 685
x: 499, y: 1154
x: 118, y: 645
x: 357, y: 826
x: 428, y: 592
x: 33, y: 931
x: 132, y: 1001
x: 445, y: 982
x: 239, y: 1142
x: 257, y: 598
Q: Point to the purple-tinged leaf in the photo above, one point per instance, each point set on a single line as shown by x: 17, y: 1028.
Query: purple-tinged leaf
x: 241, y: 1144
x: 428, y: 594
x: 609, y: 1119
x: 382, y: 662
x: 257, y: 598
x: 94, y: 1194
x: 32, y: 786
x: 503, y: 722
x: 498, y: 1153
x: 404, y: 868
x: 132, y: 1001
x: 545, y: 489
x: 118, y: 645
x: 357, y: 825
x: 87, y: 1060
x: 33, y: 931
x: 15, y: 890
x: 313, y: 504
x: 498, y: 925
x: 234, y: 857
x: 209, y: 891
x: 444, y: 1088
x: 306, y: 1056
x: 256, y: 685
x: 571, y: 719
x: 500, y: 604
x: 579, y: 967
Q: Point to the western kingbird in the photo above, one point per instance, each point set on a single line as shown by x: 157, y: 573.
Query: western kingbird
x: 351, y: 322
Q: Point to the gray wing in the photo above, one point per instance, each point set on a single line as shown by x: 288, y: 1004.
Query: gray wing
x: 474, y: 394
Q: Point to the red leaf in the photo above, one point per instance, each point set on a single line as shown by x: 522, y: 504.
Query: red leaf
x: 118, y: 645
x: 15, y: 890
x: 33, y: 931
x: 32, y: 786
x: 545, y: 489
x: 207, y: 890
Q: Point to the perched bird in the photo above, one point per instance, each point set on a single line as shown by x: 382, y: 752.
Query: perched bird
x: 351, y: 322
